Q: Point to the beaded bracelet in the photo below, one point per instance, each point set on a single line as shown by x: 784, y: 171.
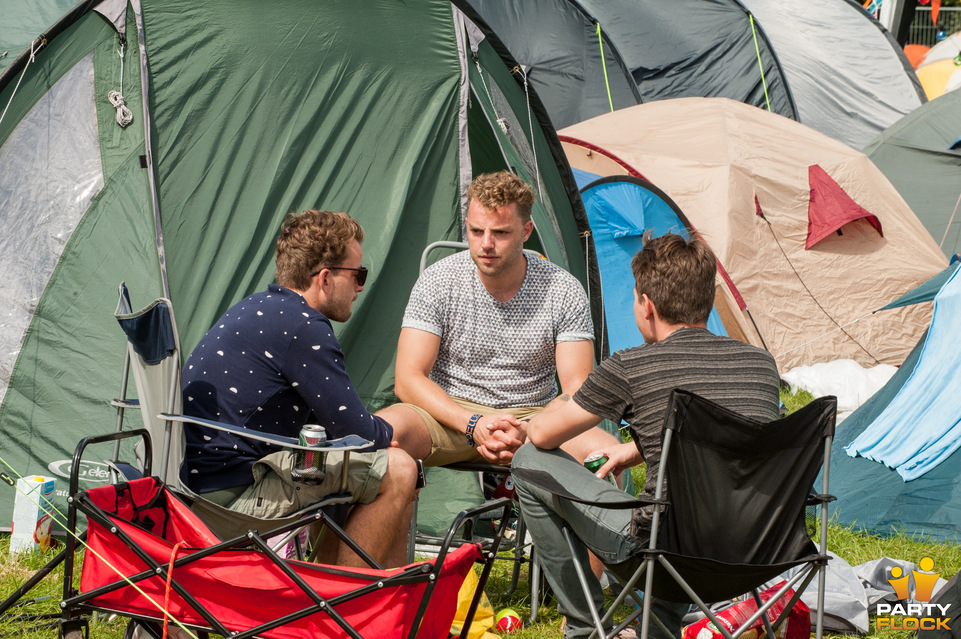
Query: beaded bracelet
x: 471, y: 423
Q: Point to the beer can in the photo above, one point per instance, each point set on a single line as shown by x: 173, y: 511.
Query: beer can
x: 309, y: 465
x: 594, y: 462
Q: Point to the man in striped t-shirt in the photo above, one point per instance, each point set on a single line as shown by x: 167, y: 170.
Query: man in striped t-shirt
x: 674, y: 294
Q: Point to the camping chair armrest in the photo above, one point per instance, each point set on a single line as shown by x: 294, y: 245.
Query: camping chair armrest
x: 348, y: 443
x: 480, y: 467
x: 813, y: 498
x: 548, y: 482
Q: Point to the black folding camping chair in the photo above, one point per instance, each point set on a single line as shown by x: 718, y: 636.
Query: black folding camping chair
x: 728, y: 513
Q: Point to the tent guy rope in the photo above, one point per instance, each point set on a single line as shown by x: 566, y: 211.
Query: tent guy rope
x: 60, y: 518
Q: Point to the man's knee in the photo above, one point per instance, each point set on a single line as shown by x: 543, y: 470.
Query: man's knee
x: 410, y: 426
x: 524, y: 456
x: 401, y: 475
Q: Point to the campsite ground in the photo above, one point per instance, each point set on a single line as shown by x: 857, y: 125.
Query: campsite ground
x: 854, y: 547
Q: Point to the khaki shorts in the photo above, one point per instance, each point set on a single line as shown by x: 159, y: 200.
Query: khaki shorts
x: 449, y: 446
x: 274, y: 492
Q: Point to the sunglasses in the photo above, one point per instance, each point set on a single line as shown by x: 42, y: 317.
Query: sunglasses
x: 359, y: 273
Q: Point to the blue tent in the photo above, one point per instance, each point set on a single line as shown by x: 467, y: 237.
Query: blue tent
x: 874, y: 497
x: 620, y: 209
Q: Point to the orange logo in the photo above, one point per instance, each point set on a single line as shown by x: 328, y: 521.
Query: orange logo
x: 924, y: 582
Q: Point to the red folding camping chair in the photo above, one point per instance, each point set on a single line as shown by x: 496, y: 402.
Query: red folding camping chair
x: 148, y: 557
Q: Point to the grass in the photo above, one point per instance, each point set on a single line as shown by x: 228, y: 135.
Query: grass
x: 853, y: 546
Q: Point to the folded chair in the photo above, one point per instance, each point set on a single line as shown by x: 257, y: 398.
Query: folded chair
x: 149, y: 557
x: 728, y: 513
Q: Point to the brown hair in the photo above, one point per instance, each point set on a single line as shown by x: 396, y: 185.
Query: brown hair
x: 311, y: 240
x: 494, y: 190
x: 678, y: 277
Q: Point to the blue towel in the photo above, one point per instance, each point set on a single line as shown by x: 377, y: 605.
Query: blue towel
x: 921, y: 426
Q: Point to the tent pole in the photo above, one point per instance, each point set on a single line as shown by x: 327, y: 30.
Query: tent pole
x: 148, y: 147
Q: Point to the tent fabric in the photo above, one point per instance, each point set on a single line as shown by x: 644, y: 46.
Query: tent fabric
x: 926, y: 291
x: 939, y: 77
x: 921, y: 427
x: 621, y: 210
x: 937, y: 71
x: 915, y: 154
x: 875, y: 498
x: 577, y: 72
x: 697, y: 48
x: 26, y: 22
x: 871, y: 84
x: 713, y: 157
x: 830, y: 208
x: 382, y: 111
x: 830, y: 65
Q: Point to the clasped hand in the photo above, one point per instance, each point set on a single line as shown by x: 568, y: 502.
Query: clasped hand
x: 498, y: 437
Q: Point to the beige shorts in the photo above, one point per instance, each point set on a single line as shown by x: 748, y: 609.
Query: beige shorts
x: 274, y: 492
x: 449, y: 446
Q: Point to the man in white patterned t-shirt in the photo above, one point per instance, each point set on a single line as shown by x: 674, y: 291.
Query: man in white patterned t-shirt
x: 484, y: 333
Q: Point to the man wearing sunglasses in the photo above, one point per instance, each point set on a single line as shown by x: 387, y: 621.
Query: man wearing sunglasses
x: 272, y: 363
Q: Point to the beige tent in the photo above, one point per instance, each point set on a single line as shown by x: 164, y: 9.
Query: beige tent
x: 812, y: 235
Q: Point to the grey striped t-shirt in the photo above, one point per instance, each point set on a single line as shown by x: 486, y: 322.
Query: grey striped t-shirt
x: 635, y: 385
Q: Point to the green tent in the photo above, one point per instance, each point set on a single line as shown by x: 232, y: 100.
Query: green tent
x: 384, y: 109
x: 920, y: 156
x: 26, y: 22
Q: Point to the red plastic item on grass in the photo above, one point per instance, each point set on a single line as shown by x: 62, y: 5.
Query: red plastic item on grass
x: 797, y: 626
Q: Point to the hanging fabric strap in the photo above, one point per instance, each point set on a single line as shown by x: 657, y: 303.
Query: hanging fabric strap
x: 170, y: 576
x: 607, y: 84
x: 760, y: 65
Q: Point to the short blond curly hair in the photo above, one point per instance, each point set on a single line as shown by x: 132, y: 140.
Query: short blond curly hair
x: 311, y: 240
x: 494, y: 190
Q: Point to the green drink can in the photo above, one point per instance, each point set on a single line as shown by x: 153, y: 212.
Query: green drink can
x: 594, y: 462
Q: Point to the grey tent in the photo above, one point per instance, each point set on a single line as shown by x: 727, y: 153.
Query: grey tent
x: 574, y: 66
x: 919, y: 156
x: 849, y: 77
x: 650, y: 50
x: 826, y: 63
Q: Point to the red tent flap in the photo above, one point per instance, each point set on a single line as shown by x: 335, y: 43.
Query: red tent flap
x: 830, y: 208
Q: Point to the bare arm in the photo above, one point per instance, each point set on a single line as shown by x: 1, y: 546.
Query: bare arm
x: 559, y: 422
x: 574, y: 361
x: 417, y: 351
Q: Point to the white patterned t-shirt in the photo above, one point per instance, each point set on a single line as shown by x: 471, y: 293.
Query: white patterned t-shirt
x: 499, y: 354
